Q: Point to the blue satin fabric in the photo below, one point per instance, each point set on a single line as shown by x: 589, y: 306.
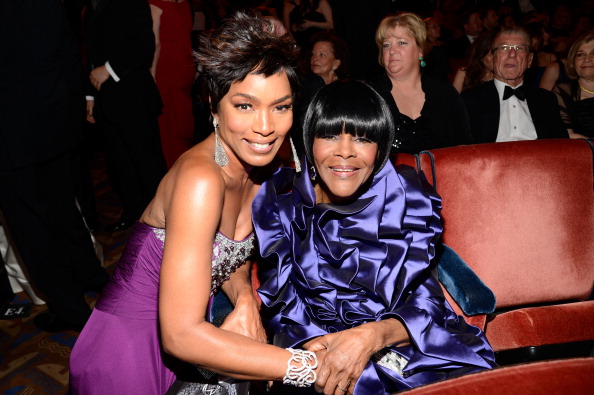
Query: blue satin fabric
x: 328, y: 267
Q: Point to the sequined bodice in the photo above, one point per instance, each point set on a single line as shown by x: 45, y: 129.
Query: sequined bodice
x: 227, y: 255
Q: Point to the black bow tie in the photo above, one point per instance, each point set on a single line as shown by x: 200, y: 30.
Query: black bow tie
x: 518, y: 92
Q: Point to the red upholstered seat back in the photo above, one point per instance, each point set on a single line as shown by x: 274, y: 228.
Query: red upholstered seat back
x: 570, y: 376
x: 521, y: 214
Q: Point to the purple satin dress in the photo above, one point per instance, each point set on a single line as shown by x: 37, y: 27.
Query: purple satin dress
x: 332, y: 267
x: 119, y: 350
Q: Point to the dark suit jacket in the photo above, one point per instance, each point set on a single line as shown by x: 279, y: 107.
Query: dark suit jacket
x: 120, y: 31
x: 459, y: 47
x: 41, y: 97
x: 482, y: 103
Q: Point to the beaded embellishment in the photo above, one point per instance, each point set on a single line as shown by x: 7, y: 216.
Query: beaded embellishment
x: 227, y: 255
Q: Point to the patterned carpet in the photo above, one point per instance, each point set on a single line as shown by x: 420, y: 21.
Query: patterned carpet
x: 36, y: 362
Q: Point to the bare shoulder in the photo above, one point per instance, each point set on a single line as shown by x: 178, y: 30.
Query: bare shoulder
x: 196, y: 169
x: 193, y: 183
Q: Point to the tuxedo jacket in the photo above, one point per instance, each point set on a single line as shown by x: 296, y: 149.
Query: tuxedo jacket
x: 121, y: 32
x: 41, y: 95
x: 459, y: 47
x: 482, y: 103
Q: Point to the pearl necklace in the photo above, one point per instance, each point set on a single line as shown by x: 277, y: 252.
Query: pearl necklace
x: 584, y: 89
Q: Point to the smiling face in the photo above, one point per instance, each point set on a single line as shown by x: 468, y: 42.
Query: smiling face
x: 255, y: 116
x: 584, y: 61
x: 400, y: 53
x: 509, y: 66
x: 343, y: 163
x: 323, y: 62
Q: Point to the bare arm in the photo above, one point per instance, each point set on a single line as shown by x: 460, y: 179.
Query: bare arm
x: 326, y: 10
x: 549, y: 76
x: 458, y: 81
x: 245, y: 318
x: 192, y: 217
x: 156, y: 13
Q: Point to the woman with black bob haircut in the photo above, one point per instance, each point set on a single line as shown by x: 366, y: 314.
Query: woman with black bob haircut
x: 346, y: 257
x: 364, y: 114
x: 194, y: 238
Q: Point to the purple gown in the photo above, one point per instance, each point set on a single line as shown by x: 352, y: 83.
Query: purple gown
x: 119, y: 350
x: 332, y: 267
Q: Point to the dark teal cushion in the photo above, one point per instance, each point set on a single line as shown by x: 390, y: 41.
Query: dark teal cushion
x: 465, y: 287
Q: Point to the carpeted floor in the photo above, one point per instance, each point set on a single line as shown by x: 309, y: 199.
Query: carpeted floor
x: 36, y: 362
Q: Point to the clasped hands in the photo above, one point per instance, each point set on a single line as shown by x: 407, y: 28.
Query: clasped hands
x: 345, y: 355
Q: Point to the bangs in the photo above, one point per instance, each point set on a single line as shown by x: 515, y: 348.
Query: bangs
x: 352, y: 107
x: 356, y: 126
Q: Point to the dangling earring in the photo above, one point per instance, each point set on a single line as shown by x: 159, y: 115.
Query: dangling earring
x: 312, y: 173
x: 220, y: 156
x: 423, y: 64
x: 295, y: 157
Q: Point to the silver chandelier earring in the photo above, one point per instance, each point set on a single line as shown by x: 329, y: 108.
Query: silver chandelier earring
x: 295, y: 157
x: 220, y: 156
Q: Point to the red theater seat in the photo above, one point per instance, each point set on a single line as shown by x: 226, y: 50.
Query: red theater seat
x: 560, y: 377
x: 521, y: 215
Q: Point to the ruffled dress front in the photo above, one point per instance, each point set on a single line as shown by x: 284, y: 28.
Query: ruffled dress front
x: 329, y: 267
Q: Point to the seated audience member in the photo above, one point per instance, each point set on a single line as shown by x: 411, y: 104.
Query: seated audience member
x: 480, y: 64
x: 428, y: 113
x: 329, y: 57
x: 436, y: 58
x: 329, y: 62
x: 489, y: 18
x: 304, y: 18
x: 576, y: 98
x: 472, y: 26
x: 506, y: 110
x: 542, y: 53
x: 347, y: 257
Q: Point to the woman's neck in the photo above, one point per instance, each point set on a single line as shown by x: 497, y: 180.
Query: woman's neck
x: 586, y: 87
x: 330, y: 77
x: 407, y: 83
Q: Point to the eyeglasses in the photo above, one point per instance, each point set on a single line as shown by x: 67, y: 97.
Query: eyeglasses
x: 505, y: 48
x: 583, y: 55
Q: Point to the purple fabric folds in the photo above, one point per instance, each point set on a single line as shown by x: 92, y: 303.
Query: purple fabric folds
x: 332, y: 267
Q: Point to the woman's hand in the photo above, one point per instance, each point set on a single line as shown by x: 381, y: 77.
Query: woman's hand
x: 245, y: 320
x: 349, y: 351
x: 347, y: 354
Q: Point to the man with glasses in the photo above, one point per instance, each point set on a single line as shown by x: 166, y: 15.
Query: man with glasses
x: 505, y: 109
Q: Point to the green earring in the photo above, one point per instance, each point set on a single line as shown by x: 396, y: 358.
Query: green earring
x: 423, y: 64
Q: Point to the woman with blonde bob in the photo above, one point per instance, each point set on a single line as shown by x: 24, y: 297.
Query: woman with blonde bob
x: 428, y: 113
x: 576, y: 98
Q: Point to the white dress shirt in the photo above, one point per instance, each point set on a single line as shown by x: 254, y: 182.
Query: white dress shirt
x: 515, y: 122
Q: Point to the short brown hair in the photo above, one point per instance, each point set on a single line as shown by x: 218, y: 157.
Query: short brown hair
x: 245, y: 45
x: 412, y: 23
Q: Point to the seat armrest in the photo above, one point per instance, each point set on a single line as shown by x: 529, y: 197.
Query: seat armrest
x: 465, y: 287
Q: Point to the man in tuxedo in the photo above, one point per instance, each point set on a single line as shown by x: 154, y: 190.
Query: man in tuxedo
x: 472, y: 26
x: 41, y: 113
x: 124, y: 100
x: 506, y: 110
